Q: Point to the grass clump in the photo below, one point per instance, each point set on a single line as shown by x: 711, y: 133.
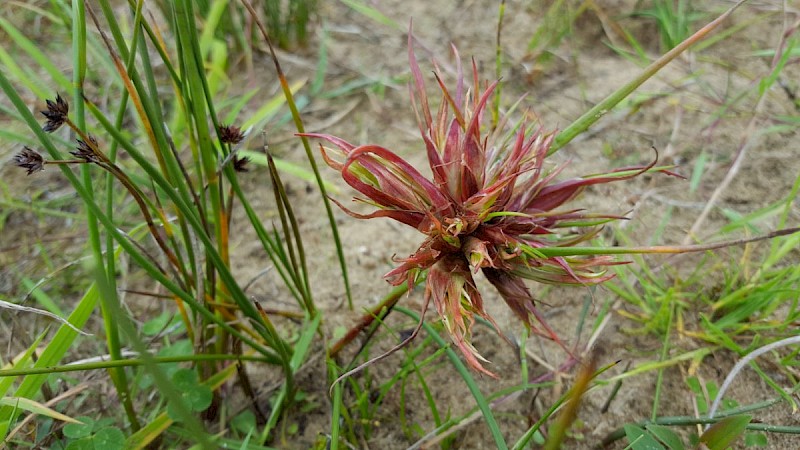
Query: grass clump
x: 172, y: 176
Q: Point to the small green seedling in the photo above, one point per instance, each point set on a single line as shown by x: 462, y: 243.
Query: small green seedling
x: 197, y: 395
x: 93, y: 435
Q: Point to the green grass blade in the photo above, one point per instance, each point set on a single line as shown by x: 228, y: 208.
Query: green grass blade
x: 55, y: 350
x: 22, y: 363
x: 287, y: 167
x: 466, y: 375
x: 595, y: 113
x: 32, y: 50
x: 31, y: 406
x: 372, y: 14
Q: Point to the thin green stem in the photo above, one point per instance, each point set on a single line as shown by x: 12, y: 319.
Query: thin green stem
x: 663, y: 357
x: 130, y: 362
x: 595, y: 113
x: 465, y: 374
x: 110, y: 264
x: 336, y: 405
x: 118, y: 376
x: 298, y: 122
x: 691, y: 421
x: 549, y: 252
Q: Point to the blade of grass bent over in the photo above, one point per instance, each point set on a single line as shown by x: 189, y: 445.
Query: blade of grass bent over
x: 27, y: 404
x: 54, y: 351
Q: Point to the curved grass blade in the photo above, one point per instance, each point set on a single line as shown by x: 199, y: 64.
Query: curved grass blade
x: 34, y: 407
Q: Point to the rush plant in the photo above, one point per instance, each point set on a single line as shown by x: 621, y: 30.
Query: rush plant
x: 492, y: 206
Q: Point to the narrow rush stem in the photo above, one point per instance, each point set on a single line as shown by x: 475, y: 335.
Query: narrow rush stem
x: 137, y: 195
x: 658, y: 249
x: 593, y: 115
x: 64, y: 161
x: 298, y: 121
x: 106, y: 272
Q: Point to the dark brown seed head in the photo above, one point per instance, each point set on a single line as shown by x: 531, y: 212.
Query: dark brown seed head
x: 29, y: 159
x: 56, y: 114
x: 240, y: 164
x: 230, y: 134
x: 86, y: 151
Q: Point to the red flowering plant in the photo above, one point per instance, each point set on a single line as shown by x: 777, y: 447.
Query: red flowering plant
x: 491, y: 206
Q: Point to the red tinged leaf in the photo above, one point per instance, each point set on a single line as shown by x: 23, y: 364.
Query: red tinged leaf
x: 514, y: 292
x: 410, y: 218
x: 419, y: 189
x: 345, y: 146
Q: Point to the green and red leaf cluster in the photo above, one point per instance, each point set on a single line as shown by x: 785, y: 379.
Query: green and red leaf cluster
x: 490, y: 206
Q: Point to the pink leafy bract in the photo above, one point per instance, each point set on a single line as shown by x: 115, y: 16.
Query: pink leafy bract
x: 488, y: 207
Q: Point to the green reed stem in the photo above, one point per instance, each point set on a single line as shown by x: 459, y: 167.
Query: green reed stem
x: 118, y: 377
x: 131, y: 362
x: 298, y: 122
x: 606, y: 105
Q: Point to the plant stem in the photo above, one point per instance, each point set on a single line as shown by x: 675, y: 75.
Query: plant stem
x: 594, y: 114
x: 118, y: 376
x: 130, y: 362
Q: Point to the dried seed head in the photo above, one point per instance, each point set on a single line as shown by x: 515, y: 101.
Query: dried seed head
x: 86, y: 151
x: 230, y: 134
x: 56, y: 114
x: 29, y: 159
x: 240, y: 163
